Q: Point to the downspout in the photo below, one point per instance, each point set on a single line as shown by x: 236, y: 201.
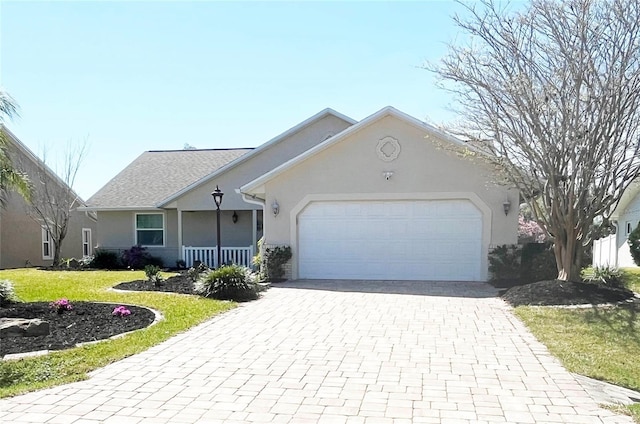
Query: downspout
x: 615, y: 251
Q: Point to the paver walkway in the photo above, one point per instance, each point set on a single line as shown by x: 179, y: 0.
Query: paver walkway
x: 442, y: 353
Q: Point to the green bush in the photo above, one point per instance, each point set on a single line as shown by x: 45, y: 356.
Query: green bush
x: 194, y: 273
x: 274, y: 260
x: 504, y: 262
x: 538, y: 263
x: 153, y: 274
x: 106, y: 259
x: 634, y: 244
x: 606, y: 274
x: 7, y: 294
x: 229, y: 282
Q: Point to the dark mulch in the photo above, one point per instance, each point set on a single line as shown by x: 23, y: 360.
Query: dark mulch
x: 180, y: 283
x: 556, y: 292
x: 87, y: 322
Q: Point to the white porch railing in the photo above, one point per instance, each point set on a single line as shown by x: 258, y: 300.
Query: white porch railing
x: 209, y: 255
x: 605, y: 251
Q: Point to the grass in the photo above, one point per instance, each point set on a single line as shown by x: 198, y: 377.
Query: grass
x: 180, y: 312
x: 602, y: 343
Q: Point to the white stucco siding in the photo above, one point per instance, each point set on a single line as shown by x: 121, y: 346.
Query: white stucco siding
x: 353, y: 169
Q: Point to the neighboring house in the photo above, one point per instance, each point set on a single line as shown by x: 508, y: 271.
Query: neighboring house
x: 613, y: 250
x: 383, y: 198
x: 23, y: 240
x: 163, y: 201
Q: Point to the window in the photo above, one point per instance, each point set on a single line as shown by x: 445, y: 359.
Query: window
x: 47, y: 244
x: 150, y: 229
x: 86, y: 242
x: 629, y: 228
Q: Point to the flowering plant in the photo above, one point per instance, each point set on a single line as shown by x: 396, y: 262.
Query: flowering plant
x: 121, y: 311
x: 61, y: 305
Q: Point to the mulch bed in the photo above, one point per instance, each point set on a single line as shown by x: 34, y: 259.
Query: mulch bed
x: 556, y: 292
x: 180, y: 283
x: 86, y: 322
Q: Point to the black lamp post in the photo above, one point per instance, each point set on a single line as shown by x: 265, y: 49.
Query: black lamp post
x: 217, y: 197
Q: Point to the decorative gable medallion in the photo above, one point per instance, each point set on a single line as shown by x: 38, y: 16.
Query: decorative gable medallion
x: 388, y: 149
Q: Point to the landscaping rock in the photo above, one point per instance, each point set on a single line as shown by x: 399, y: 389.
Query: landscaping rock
x: 21, y: 327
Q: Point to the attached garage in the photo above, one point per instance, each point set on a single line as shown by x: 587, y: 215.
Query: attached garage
x: 391, y: 239
x: 389, y: 198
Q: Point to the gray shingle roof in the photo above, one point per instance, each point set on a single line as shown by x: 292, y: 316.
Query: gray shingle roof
x: 146, y: 182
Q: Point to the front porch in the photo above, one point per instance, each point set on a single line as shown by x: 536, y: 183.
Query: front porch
x: 240, y: 231
x: 209, y: 255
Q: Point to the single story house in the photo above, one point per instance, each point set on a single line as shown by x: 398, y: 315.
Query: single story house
x: 384, y: 198
x: 613, y: 250
x: 23, y: 239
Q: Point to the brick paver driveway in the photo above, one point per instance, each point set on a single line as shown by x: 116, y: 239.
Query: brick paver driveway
x: 361, y: 352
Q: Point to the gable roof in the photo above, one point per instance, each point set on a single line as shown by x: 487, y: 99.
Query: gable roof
x: 157, y: 174
x: 293, y: 130
x: 627, y: 197
x: 371, y: 119
x: 27, y: 153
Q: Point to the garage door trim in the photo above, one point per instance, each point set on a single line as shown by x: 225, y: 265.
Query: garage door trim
x: 472, y: 197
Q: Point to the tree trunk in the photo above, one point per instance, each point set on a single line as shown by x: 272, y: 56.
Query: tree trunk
x: 568, y: 258
x: 56, y: 254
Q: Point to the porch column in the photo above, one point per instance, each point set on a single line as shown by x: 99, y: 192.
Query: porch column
x: 180, y: 253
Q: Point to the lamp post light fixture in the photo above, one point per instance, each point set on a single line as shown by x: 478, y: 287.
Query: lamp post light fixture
x: 217, y: 198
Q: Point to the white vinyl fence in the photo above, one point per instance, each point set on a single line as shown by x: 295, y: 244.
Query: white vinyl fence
x: 605, y: 251
x: 209, y: 255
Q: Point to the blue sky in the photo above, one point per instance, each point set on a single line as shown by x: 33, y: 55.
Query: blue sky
x: 136, y: 76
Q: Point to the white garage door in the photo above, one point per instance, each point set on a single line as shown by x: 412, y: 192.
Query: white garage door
x: 391, y: 240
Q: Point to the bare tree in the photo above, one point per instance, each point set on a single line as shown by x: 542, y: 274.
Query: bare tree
x: 10, y: 179
x: 53, y: 199
x: 555, y: 88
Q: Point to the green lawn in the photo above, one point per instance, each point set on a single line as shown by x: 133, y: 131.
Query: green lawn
x: 180, y: 312
x: 602, y: 343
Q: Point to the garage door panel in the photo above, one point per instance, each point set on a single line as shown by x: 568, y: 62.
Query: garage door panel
x: 430, y: 240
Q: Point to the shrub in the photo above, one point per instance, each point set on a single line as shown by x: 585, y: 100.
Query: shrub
x: 607, y: 274
x: 7, y: 293
x: 153, y: 274
x: 194, y: 273
x: 181, y: 264
x: 634, y: 244
x: 274, y: 260
x: 538, y: 263
x: 229, y: 282
x: 61, y: 305
x: 121, y: 311
x: 106, y: 259
x: 137, y: 257
x: 504, y: 262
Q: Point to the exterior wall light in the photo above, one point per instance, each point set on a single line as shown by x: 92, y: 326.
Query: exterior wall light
x: 275, y: 207
x: 507, y: 206
x: 234, y: 217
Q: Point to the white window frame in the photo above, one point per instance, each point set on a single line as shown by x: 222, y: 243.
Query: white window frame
x: 136, y: 229
x: 47, y: 241
x: 86, y: 241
